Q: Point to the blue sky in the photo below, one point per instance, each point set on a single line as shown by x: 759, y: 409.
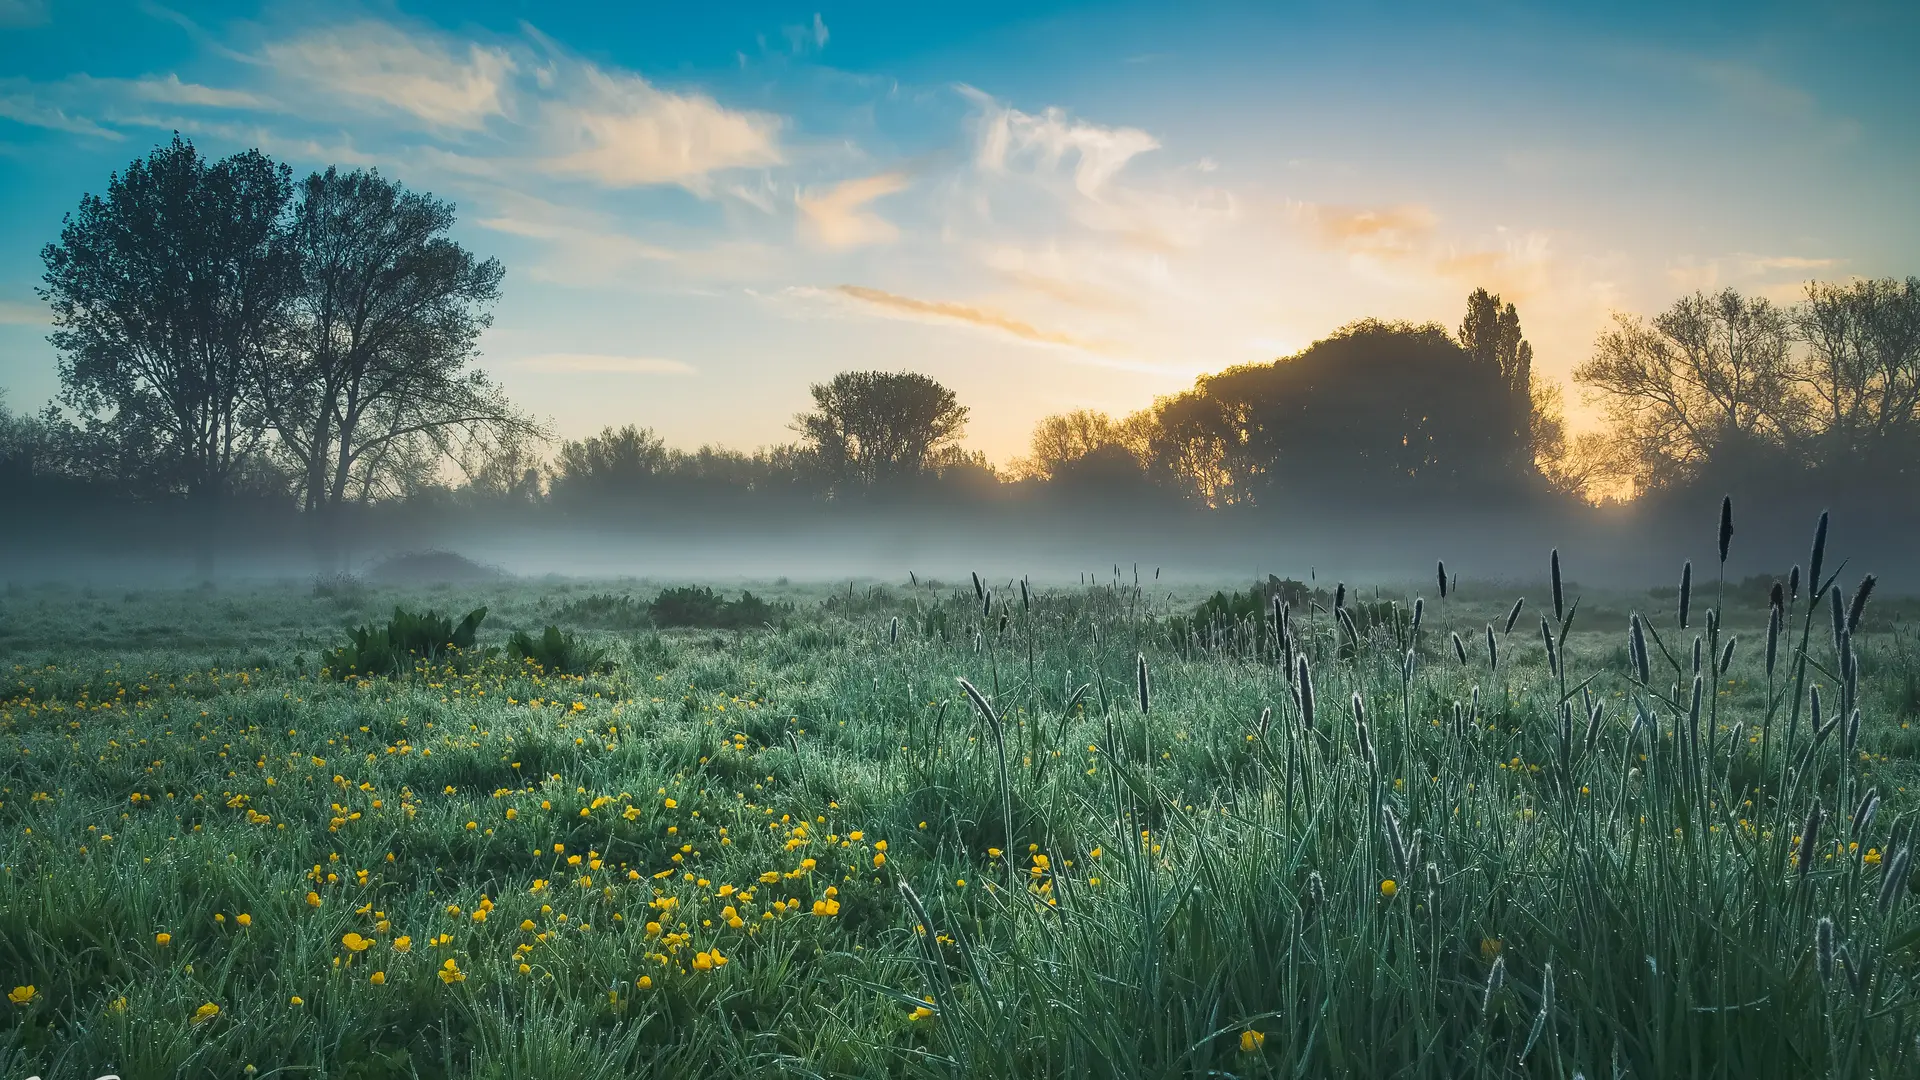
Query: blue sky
x: 1046, y: 206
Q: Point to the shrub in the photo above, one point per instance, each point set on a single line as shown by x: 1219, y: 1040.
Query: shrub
x: 407, y: 639
x: 699, y: 606
x: 557, y: 653
x: 605, y: 610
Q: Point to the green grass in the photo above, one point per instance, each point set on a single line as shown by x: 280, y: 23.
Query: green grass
x: 1172, y: 880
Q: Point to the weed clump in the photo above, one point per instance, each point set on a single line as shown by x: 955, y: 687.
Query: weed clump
x: 556, y: 653
x: 408, y: 639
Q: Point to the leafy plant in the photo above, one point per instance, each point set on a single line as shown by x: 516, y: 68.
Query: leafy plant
x: 557, y: 653
x: 407, y: 639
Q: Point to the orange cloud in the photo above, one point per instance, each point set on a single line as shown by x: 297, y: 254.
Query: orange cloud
x: 947, y: 312
x: 1394, y: 231
x: 838, y: 216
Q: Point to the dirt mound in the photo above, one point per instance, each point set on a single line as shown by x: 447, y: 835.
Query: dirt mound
x: 431, y: 567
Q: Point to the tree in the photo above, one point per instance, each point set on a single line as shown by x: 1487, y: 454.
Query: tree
x: 615, y: 464
x: 1376, y: 407
x: 166, y: 295
x: 1861, y: 377
x: 1087, y: 448
x: 873, y: 427
x: 1491, y: 336
x: 372, y: 391
x: 1706, y: 389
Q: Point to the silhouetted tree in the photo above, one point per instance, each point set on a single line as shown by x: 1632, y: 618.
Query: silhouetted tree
x: 1380, y: 408
x: 1089, y: 452
x: 166, y: 295
x: 873, y: 427
x: 372, y: 389
x: 617, y: 463
x: 1861, y: 375
x: 1705, y: 390
x: 1490, y: 333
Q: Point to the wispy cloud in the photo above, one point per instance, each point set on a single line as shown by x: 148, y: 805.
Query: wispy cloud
x: 172, y: 91
x: 603, y: 363
x: 620, y: 130
x: 942, y: 311
x: 838, y: 216
x: 1394, y: 231
x: 380, y: 65
x: 1004, y: 136
x: 26, y: 107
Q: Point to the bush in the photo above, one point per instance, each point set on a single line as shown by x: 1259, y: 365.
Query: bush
x: 699, y: 606
x: 605, y: 610
x: 558, y: 654
x: 407, y: 639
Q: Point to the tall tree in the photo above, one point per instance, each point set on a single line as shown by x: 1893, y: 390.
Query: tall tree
x: 166, y: 295
x: 873, y: 427
x: 1706, y: 389
x: 1490, y: 334
x: 374, y: 391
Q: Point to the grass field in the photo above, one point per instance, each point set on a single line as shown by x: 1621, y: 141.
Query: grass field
x: 804, y: 850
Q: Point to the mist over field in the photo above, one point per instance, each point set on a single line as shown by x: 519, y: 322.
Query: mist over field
x: 944, y: 541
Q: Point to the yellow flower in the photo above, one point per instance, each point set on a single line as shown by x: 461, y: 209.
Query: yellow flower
x: 450, y: 973
x: 1251, y: 1041
x: 243, y: 920
x: 356, y: 943
x: 526, y: 924
x: 21, y: 995
x: 205, y: 1013
x: 313, y: 899
x: 163, y: 939
x: 920, y: 1012
x: 644, y: 982
x: 879, y: 860
x: 1388, y: 888
x: 403, y: 943
x: 296, y: 1000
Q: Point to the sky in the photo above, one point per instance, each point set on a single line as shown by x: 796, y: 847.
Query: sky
x: 704, y: 208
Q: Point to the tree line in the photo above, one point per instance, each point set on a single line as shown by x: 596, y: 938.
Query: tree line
x: 225, y: 333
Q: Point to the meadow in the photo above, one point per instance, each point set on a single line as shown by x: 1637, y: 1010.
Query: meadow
x: 1304, y: 831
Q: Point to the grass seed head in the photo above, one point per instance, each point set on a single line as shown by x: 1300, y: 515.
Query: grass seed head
x: 1823, y: 947
x: 1893, y: 881
x: 1559, y: 594
x: 1726, y: 526
x: 1819, y: 552
x: 1859, y: 604
x: 1686, y: 592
